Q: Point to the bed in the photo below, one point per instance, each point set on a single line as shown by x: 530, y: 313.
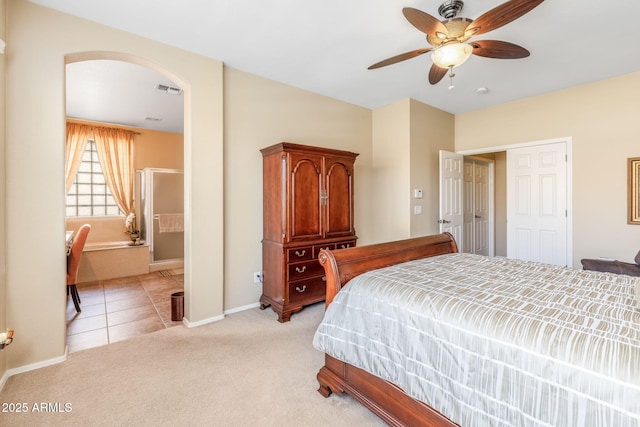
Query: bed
x: 424, y: 335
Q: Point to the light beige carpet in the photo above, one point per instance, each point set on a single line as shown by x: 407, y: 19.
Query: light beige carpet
x: 246, y: 370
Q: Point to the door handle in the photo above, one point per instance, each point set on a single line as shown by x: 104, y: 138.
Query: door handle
x: 477, y: 216
x: 443, y: 221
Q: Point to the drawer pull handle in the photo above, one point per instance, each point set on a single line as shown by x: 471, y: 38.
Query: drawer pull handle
x: 301, y: 270
x: 324, y: 278
x: 301, y: 254
x: 346, y: 246
x: 304, y: 288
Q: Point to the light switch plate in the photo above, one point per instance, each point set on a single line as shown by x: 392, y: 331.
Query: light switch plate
x: 417, y: 193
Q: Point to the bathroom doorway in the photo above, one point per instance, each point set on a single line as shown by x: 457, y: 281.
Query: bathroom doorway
x: 111, y: 92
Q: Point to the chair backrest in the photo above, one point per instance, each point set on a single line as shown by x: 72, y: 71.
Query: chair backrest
x: 73, y: 259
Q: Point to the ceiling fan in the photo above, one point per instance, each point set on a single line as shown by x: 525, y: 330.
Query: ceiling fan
x: 450, y: 38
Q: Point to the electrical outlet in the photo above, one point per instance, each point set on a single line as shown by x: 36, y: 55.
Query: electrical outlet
x: 257, y: 277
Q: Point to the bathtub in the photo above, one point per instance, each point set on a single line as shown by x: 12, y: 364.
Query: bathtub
x: 112, y: 259
x: 107, y: 253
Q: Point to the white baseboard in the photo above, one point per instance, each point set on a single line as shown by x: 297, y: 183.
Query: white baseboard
x: 189, y: 324
x: 33, y: 367
x: 243, y: 308
x: 3, y: 380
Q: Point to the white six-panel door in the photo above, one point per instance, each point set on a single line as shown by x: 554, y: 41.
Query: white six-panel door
x: 478, y: 214
x: 451, y: 195
x: 537, y: 203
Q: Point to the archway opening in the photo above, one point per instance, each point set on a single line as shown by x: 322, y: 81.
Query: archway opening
x: 116, y: 90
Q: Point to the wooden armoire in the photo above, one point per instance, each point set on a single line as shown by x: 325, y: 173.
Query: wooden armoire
x: 307, y: 206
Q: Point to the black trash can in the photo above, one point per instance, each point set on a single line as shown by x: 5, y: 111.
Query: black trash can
x: 177, y: 306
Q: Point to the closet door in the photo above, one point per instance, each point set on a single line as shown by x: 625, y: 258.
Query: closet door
x: 337, y: 197
x: 305, y: 184
x: 537, y: 204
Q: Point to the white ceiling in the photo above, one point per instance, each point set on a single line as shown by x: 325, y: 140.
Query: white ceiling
x: 326, y: 46
x: 122, y: 93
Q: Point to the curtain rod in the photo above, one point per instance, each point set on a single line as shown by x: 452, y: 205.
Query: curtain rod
x: 98, y: 124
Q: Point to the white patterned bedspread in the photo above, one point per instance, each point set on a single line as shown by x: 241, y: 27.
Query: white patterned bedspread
x: 494, y: 341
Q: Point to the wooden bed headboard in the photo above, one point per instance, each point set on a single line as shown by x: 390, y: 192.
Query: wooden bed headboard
x: 342, y: 265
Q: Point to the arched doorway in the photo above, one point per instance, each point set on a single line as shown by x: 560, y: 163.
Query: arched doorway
x: 119, y: 90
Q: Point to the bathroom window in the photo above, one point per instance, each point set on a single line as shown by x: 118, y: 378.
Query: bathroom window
x: 89, y: 194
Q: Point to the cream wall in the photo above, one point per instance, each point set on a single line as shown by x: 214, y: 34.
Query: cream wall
x: 390, y: 172
x: 407, y: 136
x: 602, y: 119
x: 431, y: 131
x: 259, y: 113
x: 3, y: 222
x: 154, y: 149
x: 38, y: 41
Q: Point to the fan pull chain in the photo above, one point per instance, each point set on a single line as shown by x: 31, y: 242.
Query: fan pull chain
x: 451, y: 76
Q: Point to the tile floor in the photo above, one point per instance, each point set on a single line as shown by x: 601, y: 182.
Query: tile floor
x: 117, y: 309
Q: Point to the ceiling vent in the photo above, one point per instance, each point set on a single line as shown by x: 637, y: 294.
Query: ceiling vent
x: 168, y: 89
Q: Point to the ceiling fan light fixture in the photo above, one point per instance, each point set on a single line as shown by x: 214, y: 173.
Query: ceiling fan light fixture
x: 451, y: 54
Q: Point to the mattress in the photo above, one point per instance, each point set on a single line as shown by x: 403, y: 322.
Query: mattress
x: 495, y: 342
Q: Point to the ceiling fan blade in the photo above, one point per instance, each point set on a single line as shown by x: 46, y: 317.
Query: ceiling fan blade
x: 436, y: 74
x: 501, y: 15
x: 398, y: 58
x: 498, y: 49
x: 424, y: 22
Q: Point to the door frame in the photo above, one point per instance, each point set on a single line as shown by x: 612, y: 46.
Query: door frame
x: 569, y: 144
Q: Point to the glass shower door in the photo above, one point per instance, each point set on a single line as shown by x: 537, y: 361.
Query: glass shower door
x: 166, y: 198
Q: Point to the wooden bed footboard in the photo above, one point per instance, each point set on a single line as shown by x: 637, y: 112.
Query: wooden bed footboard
x: 342, y: 265
x: 383, y: 398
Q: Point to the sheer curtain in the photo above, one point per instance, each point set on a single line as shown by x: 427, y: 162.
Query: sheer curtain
x: 115, y: 151
x: 77, y: 137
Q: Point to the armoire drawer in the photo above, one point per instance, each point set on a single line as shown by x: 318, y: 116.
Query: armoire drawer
x: 332, y: 246
x: 307, y: 290
x: 300, y: 254
x: 303, y: 270
x: 346, y: 244
x: 318, y: 248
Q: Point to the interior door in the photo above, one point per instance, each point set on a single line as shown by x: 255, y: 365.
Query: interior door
x: 482, y: 215
x: 451, y: 195
x: 478, y: 206
x: 537, y: 208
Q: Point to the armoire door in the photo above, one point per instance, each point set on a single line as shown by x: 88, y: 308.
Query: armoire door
x: 305, y: 212
x: 338, y: 197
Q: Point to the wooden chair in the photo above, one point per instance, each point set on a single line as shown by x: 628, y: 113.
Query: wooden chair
x: 73, y: 263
